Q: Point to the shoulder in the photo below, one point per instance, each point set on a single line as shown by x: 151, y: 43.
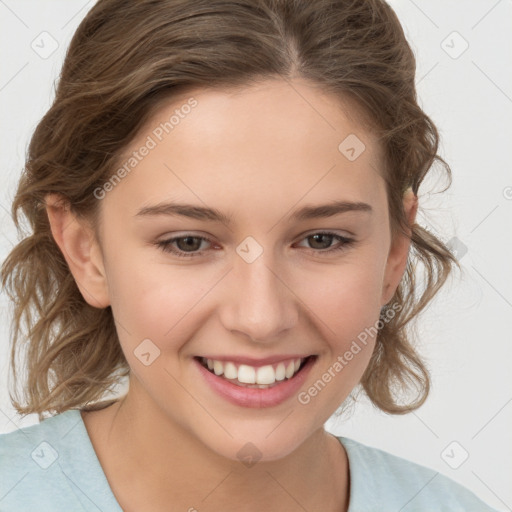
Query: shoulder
x: 35, y: 442
x: 379, y: 479
x: 32, y: 465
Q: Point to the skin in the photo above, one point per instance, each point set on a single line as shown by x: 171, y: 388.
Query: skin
x: 259, y: 154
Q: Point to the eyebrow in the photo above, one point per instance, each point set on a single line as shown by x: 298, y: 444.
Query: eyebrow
x: 214, y: 215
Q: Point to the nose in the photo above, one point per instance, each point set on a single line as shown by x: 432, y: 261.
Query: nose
x: 258, y: 302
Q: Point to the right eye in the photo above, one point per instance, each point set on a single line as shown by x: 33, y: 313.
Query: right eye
x: 186, y: 242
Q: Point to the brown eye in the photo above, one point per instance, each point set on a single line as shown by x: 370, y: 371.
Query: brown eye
x: 186, y: 246
x: 189, y: 243
x: 322, y: 242
x: 321, y: 239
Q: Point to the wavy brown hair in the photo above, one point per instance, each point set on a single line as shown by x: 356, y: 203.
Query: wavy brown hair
x: 125, y: 60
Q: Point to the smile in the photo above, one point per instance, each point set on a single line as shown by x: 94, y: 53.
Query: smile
x: 263, y: 383
x: 254, y: 376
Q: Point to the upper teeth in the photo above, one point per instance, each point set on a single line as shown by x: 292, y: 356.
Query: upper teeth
x: 255, y: 375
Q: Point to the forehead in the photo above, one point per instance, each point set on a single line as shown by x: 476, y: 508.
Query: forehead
x: 279, y: 141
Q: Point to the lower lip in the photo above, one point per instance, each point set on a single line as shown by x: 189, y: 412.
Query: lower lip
x: 256, y: 397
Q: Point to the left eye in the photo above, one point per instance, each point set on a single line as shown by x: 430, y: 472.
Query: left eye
x: 318, y: 237
x: 188, y: 246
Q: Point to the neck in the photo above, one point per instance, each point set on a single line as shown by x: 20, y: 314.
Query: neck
x: 147, y: 457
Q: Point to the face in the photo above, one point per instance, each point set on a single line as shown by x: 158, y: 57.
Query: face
x: 251, y: 273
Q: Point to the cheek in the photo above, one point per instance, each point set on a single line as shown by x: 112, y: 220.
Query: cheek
x: 347, y: 308
x: 345, y: 297
x: 154, y: 301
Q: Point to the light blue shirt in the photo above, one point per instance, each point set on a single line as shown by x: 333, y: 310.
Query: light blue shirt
x: 52, y: 467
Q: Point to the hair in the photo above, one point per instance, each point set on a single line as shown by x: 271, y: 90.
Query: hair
x: 126, y: 60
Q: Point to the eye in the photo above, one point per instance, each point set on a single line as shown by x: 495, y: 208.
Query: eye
x: 326, y: 237
x: 188, y: 246
x: 185, y: 245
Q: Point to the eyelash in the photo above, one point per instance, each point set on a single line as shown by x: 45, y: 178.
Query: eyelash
x: 166, y: 245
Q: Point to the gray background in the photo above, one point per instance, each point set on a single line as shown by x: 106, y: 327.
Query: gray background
x: 465, y: 334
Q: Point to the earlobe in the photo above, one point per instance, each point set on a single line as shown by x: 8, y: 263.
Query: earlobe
x: 80, y: 249
x: 399, y: 251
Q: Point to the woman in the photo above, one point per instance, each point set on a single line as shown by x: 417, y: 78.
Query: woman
x: 223, y: 197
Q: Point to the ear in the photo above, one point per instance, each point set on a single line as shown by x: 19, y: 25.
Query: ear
x: 399, y: 250
x: 81, y: 250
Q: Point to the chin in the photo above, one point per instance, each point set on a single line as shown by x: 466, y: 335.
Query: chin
x: 256, y: 447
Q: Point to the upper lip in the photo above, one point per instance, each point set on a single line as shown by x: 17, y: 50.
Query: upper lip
x: 252, y: 361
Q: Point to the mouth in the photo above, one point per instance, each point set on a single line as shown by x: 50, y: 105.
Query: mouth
x: 261, y: 377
